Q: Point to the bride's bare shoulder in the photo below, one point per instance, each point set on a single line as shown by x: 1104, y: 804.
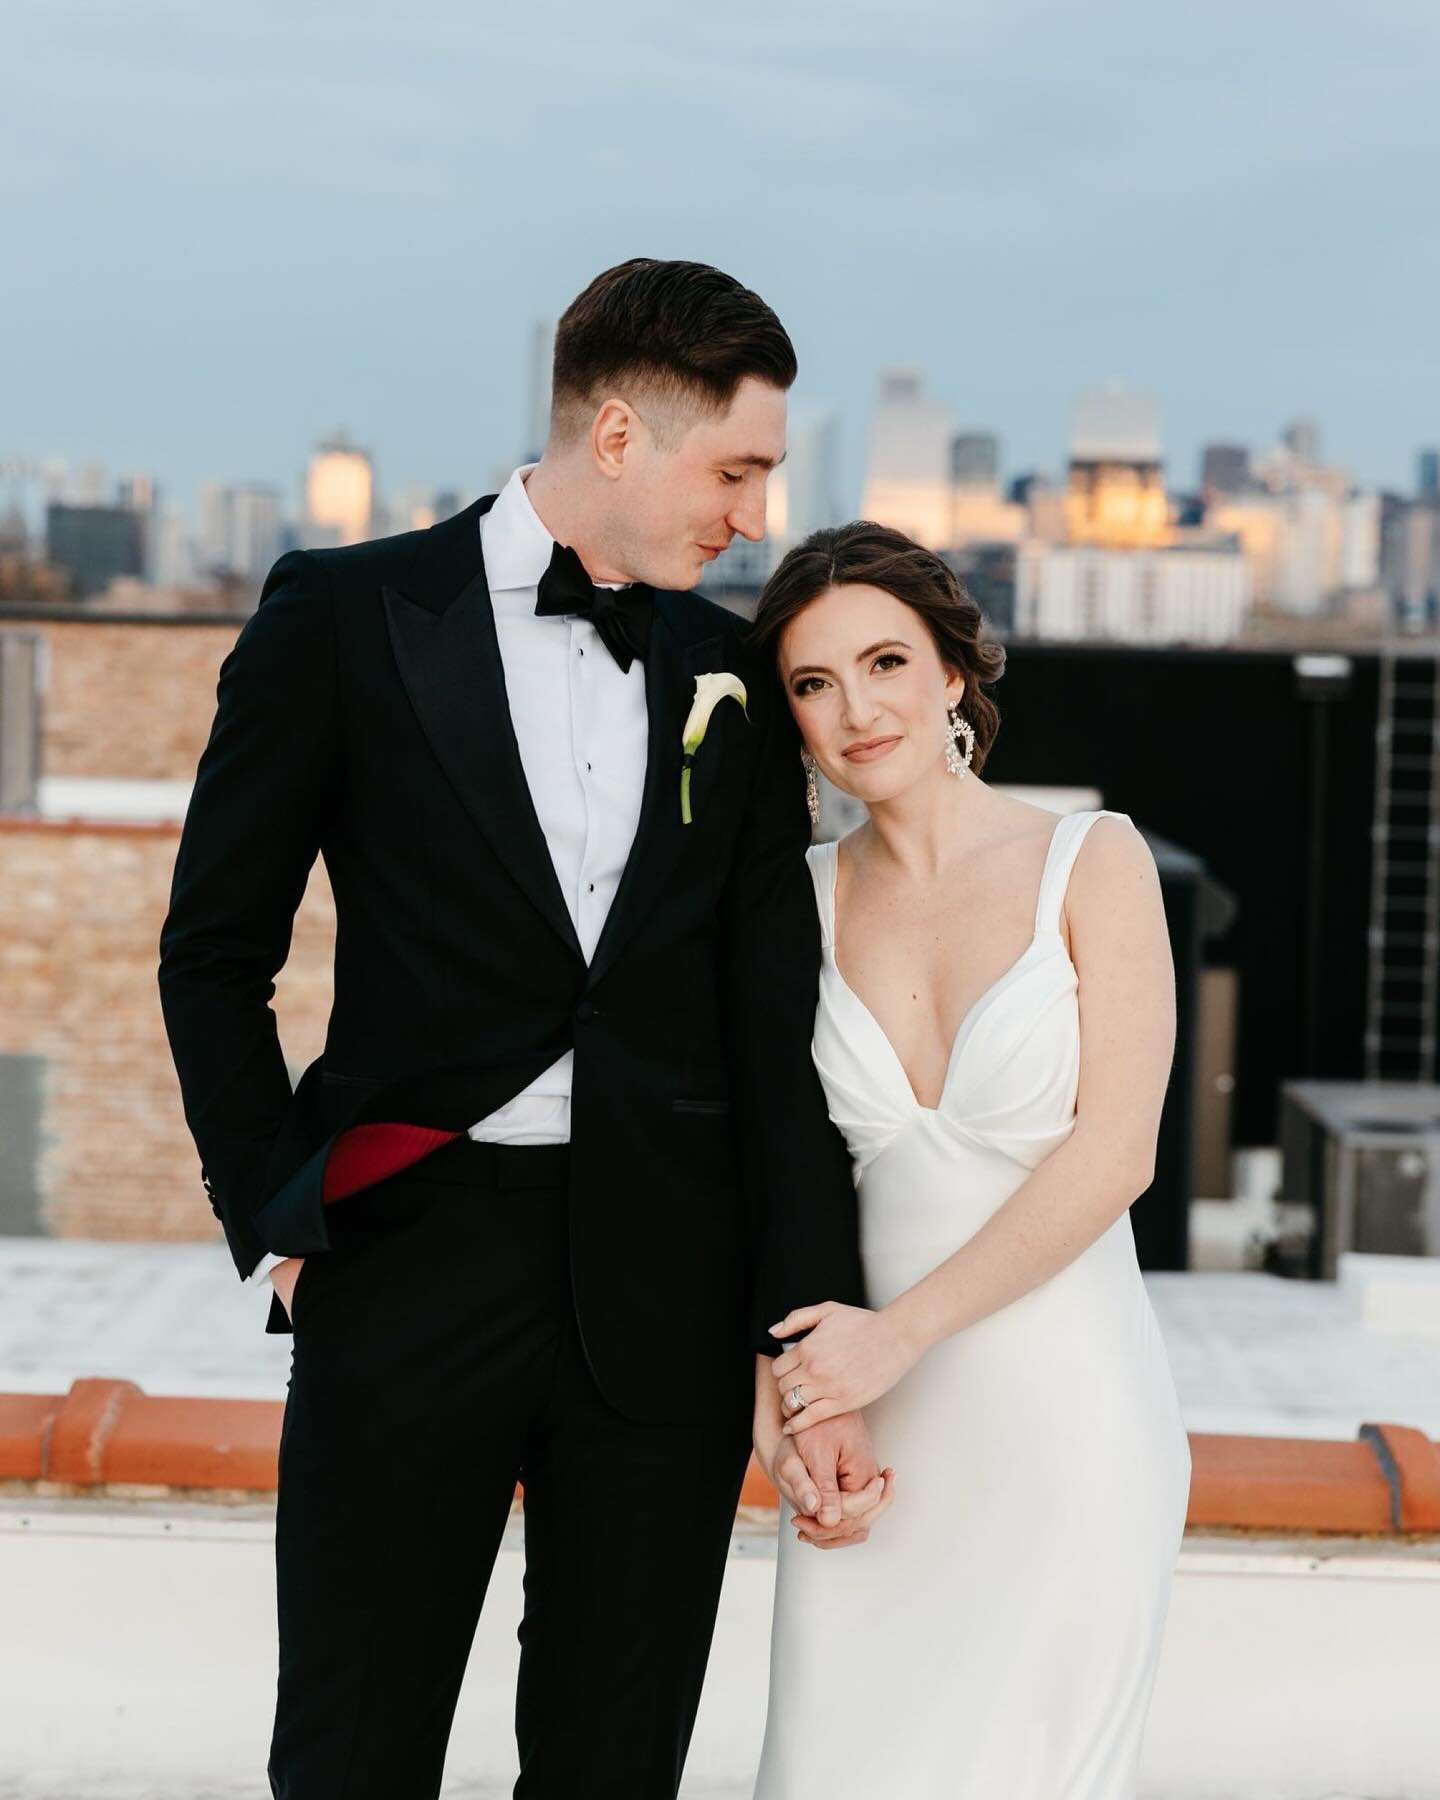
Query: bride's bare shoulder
x: 1114, y: 875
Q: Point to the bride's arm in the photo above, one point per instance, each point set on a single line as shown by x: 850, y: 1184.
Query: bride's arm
x: 1121, y: 950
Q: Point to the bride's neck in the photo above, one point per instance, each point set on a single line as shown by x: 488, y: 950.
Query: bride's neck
x: 928, y: 830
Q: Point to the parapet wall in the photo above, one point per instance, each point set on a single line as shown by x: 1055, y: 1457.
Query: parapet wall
x: 108, y: 1438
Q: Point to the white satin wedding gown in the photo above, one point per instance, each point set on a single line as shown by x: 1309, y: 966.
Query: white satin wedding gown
x: 997, y: 1636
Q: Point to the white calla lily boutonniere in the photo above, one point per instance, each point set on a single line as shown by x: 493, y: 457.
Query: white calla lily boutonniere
x: 710, y: 690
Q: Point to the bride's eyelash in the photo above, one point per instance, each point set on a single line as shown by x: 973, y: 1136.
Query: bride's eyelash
x: 807, y: 684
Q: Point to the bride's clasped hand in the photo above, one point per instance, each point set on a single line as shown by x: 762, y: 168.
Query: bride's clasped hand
x: 850, y: 1357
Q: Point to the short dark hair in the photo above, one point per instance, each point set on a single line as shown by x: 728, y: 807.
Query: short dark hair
x: 864, y: 554
x: 685, y: 332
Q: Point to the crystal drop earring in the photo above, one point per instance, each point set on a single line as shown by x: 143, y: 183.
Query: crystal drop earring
x: 959, y: 727
x: 812, y: 790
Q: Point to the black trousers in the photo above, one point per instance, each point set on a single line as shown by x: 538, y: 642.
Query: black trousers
x: 436, y: 1360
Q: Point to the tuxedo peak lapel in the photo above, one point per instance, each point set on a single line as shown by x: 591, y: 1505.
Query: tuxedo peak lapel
x: 448, y: 656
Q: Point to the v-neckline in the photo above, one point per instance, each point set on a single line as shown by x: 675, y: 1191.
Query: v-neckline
x: 962, y: 1029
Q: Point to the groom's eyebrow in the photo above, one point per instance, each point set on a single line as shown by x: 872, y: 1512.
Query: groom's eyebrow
x: 757, y: 462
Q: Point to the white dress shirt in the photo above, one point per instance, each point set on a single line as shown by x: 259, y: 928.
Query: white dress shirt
x: 582, y: 729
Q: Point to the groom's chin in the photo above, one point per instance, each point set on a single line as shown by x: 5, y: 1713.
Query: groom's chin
x: 681, y: 577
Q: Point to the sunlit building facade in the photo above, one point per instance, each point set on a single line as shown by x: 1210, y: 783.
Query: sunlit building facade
x: 979, y: 513
x: 907, y: 469
x: 1115, y: 492
x: 1309, y: 536
x: 339, y: 494
x: 1068, y: 592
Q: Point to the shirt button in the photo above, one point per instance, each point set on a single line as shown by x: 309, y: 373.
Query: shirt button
x: 592, y: 887
x: 581, y: 651
x: 589, y: 766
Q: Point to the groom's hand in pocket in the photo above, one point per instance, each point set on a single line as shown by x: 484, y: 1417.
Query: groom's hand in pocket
x: 283, y: 1278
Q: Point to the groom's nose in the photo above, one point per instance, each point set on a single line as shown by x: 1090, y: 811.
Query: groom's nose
x: 747, y: 516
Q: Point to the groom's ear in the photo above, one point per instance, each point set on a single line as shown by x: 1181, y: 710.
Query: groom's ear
x: 614, y: 436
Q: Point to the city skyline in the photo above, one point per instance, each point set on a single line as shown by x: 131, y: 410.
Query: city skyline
x: 324, y: 218
x: 91, y: 479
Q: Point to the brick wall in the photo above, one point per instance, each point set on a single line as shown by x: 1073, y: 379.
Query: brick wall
x: 128, y: 699
x: 81, y: 905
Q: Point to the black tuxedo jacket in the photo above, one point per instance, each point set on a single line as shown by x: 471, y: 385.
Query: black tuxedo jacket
x: 362, y: 716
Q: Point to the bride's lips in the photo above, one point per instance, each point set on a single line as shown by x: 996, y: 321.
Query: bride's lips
x: 871, y: 750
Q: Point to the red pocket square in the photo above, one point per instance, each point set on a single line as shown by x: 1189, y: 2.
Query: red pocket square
x: 366, y: 1154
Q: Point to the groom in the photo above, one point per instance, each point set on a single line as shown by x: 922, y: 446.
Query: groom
x: 565, y: 1156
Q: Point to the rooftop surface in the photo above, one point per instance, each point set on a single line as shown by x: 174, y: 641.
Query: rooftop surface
x: 104, y: 1518
x: 1251, y: 1353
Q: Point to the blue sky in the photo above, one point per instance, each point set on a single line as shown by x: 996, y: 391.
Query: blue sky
x: 228, y: 230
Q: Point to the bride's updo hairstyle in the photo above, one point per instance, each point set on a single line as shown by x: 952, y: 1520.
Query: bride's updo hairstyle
x: 864, y: 554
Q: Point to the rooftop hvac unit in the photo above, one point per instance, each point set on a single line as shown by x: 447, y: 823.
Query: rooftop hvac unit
x: 1364, y: 1157
x: 20, y: 670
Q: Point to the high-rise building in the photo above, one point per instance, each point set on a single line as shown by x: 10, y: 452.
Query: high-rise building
x: 1427, y: 474
x: 1302, y: 439
x: 339, y: 494
x: 1161, y: 596
x: 140, y: 494
x: 213, y: 536
x: 240, y: 528
x: 1360, y: 542
x: 1292, y: 541
x: 907, y: 474
x: 1308, y: 534
x: 88, y: 485
x: 805, y: 489
x: 94, y: 545
x: 1115, y: 494
x: 978, y: 513
x: 1410, y: 559
x: 1043, y: 505
x: 1225, y: 469
x: 975, y: 459
x: 411, y: 509
x: 1113, y: 423
x: 258, y: 525
x: 172, y: 552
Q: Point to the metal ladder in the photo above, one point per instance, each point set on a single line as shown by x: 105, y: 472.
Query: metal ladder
x: 1404, y: 938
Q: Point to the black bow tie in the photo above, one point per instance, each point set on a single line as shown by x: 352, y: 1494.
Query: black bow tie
x: 620, y: 615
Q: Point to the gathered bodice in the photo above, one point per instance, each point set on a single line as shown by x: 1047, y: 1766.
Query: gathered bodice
x: 1014, y: 1067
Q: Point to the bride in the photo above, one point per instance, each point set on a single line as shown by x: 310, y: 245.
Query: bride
x: 994, y: 1033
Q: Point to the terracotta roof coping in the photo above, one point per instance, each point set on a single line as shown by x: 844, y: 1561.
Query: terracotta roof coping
x: 106, y: 1433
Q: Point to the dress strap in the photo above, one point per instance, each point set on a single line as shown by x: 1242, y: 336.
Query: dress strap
x: 823, y: 862
x: 1065, y: 844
